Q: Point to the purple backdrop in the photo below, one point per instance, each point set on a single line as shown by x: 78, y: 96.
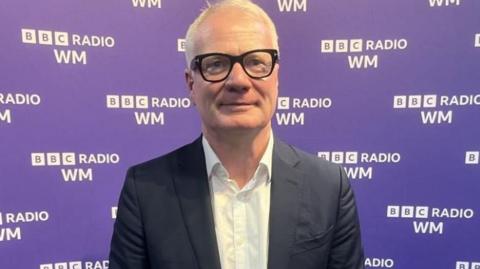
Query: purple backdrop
x: 390, y: 89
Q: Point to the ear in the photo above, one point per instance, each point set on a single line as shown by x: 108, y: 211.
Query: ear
x: 189, y: 82
x: 189, y: 79
x: 278, y: 70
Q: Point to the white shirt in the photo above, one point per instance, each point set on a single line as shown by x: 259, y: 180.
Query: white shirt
x: 240, y: 215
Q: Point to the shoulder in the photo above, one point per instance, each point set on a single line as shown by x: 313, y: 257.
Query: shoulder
x: 307, y: 162
x: 318, y: 173
x: 162, y: 165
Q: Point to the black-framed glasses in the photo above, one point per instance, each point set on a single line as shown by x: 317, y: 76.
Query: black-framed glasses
x: 215, y: 67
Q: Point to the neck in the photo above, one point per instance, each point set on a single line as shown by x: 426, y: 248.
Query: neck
x: 239, y: 151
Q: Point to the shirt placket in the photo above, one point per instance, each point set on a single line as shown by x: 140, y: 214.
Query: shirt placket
x: 240, y: 230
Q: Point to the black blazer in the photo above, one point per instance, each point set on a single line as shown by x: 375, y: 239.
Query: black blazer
x: 165, y: 219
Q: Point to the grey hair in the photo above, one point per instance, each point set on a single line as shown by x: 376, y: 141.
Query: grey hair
x: 244, y: 5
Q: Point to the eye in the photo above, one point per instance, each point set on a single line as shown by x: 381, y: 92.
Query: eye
x: 255, y: 62
x: 215, y: 64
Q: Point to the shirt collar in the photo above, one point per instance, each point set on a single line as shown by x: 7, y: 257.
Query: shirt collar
x: 211, y: 159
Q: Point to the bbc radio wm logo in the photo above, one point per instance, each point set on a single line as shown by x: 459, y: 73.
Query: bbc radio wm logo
x: 298, y: 118
x: 443, y: 3
x: 421, y: 214
x: 65, y: 39
x: 147, y: 3
x: 143, y: 102
x: 363, y: 47
x: 76, y: 265
x: 292, y: 5
x: 379, y: 262
x: 357, y: 165
x: 429, y: 103
x: 16, y: 219
x: 69, y: 161
x: 467, y: 265
x: 16, y: 99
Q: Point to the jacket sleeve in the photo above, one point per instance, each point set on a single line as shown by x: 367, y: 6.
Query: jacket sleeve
x: 127, y: 249
x: 346, y: 250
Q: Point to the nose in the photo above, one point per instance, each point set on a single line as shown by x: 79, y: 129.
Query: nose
x: 237, y: 80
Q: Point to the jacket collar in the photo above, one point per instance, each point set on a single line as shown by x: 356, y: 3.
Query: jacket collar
x: 284, y: 204
x: 191, y: 186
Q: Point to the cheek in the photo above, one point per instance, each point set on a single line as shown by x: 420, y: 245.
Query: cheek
x: 202, y: 97
x: 272, y: 95
x: 274, y: 102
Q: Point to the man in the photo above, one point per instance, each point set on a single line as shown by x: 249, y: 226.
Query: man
x: 236, y: 197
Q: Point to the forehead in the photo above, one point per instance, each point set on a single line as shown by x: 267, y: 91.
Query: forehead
x: 232, y: 31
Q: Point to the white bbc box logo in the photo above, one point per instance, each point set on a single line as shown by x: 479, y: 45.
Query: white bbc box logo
x: 181, y: 44
x: 324, y: 155
x: 38, y: 159
x: 351, y: 157
x: 141, y: 101
x: 29, y: 36
x: 341, y: 45
x: 61, y: 38
x: 45, y: 37
x: 407, y: 211
x: 327, y: 46
x: 337, y: 157
x: 472, y: 157
x: 127, y: 101
x: 414, y: 101
x: 421, y: 212
x: 53, y: 158
x: 68, y: 158
x: 348, y: 157
x: 430, y: 100
x: 283, y: 103
x: 400, y: 101
x: 61, y: 265
x: 393, y: 211
x: 75, y: 265
x: 113, y: 101
x: 356, y: 45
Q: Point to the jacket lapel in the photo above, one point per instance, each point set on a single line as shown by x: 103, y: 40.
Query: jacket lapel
x: 193, y: 192
x: 284, y: 203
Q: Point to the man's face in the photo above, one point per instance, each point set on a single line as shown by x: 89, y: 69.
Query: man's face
x: 239, y: 102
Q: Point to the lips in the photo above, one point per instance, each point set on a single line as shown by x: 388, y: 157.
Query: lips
x: 237, y: 106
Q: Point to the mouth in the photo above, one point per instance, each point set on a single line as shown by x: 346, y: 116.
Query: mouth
x: 237, y: 106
